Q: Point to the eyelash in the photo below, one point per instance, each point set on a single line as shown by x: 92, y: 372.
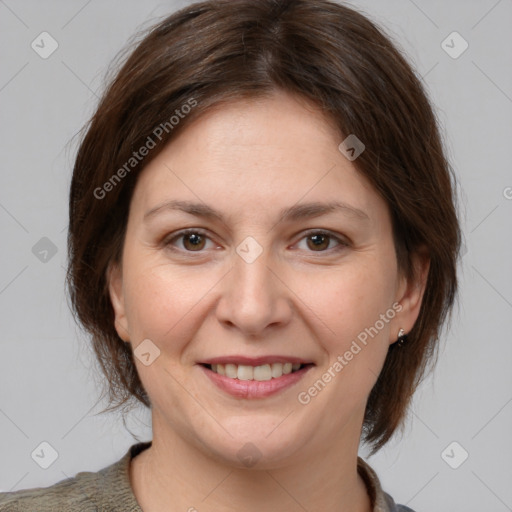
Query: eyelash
x: 342, y: 244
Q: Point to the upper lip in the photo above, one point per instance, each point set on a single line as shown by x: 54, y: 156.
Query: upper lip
x: 255, y: 361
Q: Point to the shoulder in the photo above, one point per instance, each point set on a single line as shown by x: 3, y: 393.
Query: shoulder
x: 107, y: 490
x: 382, y: 501
x: 403, y: 508
x: 393, y: 507
x: 67, y: 495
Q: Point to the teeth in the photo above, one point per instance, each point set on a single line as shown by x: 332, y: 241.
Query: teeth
x: 231, y: 370
x: 245, y: 372
x: 263, y: 372
x: 277, y: 370
x: 259, y: 373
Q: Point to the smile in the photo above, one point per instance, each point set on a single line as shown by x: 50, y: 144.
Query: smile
x: 247, y: 381
x: 260, y: 373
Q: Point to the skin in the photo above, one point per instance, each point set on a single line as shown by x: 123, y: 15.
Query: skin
x: 249, y: 159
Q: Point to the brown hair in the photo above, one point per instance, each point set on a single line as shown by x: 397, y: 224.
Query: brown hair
x: 218, y: 51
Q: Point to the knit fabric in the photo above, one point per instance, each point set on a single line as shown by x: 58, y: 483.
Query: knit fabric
x: 109, y: 490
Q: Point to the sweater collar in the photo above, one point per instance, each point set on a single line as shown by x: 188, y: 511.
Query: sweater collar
x: 122, y: 499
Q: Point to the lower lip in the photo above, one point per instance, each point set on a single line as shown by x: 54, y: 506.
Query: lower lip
x: 255, y: 388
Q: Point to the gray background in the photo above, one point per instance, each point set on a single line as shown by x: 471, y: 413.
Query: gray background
x: 48, y: 390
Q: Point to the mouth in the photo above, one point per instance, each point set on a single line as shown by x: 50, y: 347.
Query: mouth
x: 262, y: 372
x: 246, y: 378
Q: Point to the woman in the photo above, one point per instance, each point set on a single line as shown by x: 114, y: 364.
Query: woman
x: 263, y: 245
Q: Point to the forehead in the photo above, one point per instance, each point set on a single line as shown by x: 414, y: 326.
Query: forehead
x: 256, y: 154
x: 281, y: 123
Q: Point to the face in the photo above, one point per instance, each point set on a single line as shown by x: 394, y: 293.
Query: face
x: 263, y: 281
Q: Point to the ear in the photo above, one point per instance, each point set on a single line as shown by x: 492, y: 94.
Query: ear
x: 115, y: 287
x: 410, y: 293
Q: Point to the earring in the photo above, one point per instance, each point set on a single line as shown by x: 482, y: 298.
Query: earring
x: 402, y: 337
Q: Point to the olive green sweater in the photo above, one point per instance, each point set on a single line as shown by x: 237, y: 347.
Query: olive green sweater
x: 109, y: 490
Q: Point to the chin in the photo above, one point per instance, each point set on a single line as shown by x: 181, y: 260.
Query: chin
x: 257, y: 445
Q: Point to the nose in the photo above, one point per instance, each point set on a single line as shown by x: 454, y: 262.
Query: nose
x: 254, y: 296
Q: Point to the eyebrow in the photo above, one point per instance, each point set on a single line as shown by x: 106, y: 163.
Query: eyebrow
x: 292, y: 213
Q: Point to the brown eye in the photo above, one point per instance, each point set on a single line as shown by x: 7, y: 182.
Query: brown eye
x: 318, y: 242
x: 193, y: 240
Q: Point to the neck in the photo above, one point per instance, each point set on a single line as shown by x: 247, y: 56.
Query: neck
x: 174, y: 475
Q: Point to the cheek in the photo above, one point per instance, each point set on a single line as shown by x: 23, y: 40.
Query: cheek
x: 356, y: 308
x: 348, y: 300
x: 162, y: 302
x: 347, y: 305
